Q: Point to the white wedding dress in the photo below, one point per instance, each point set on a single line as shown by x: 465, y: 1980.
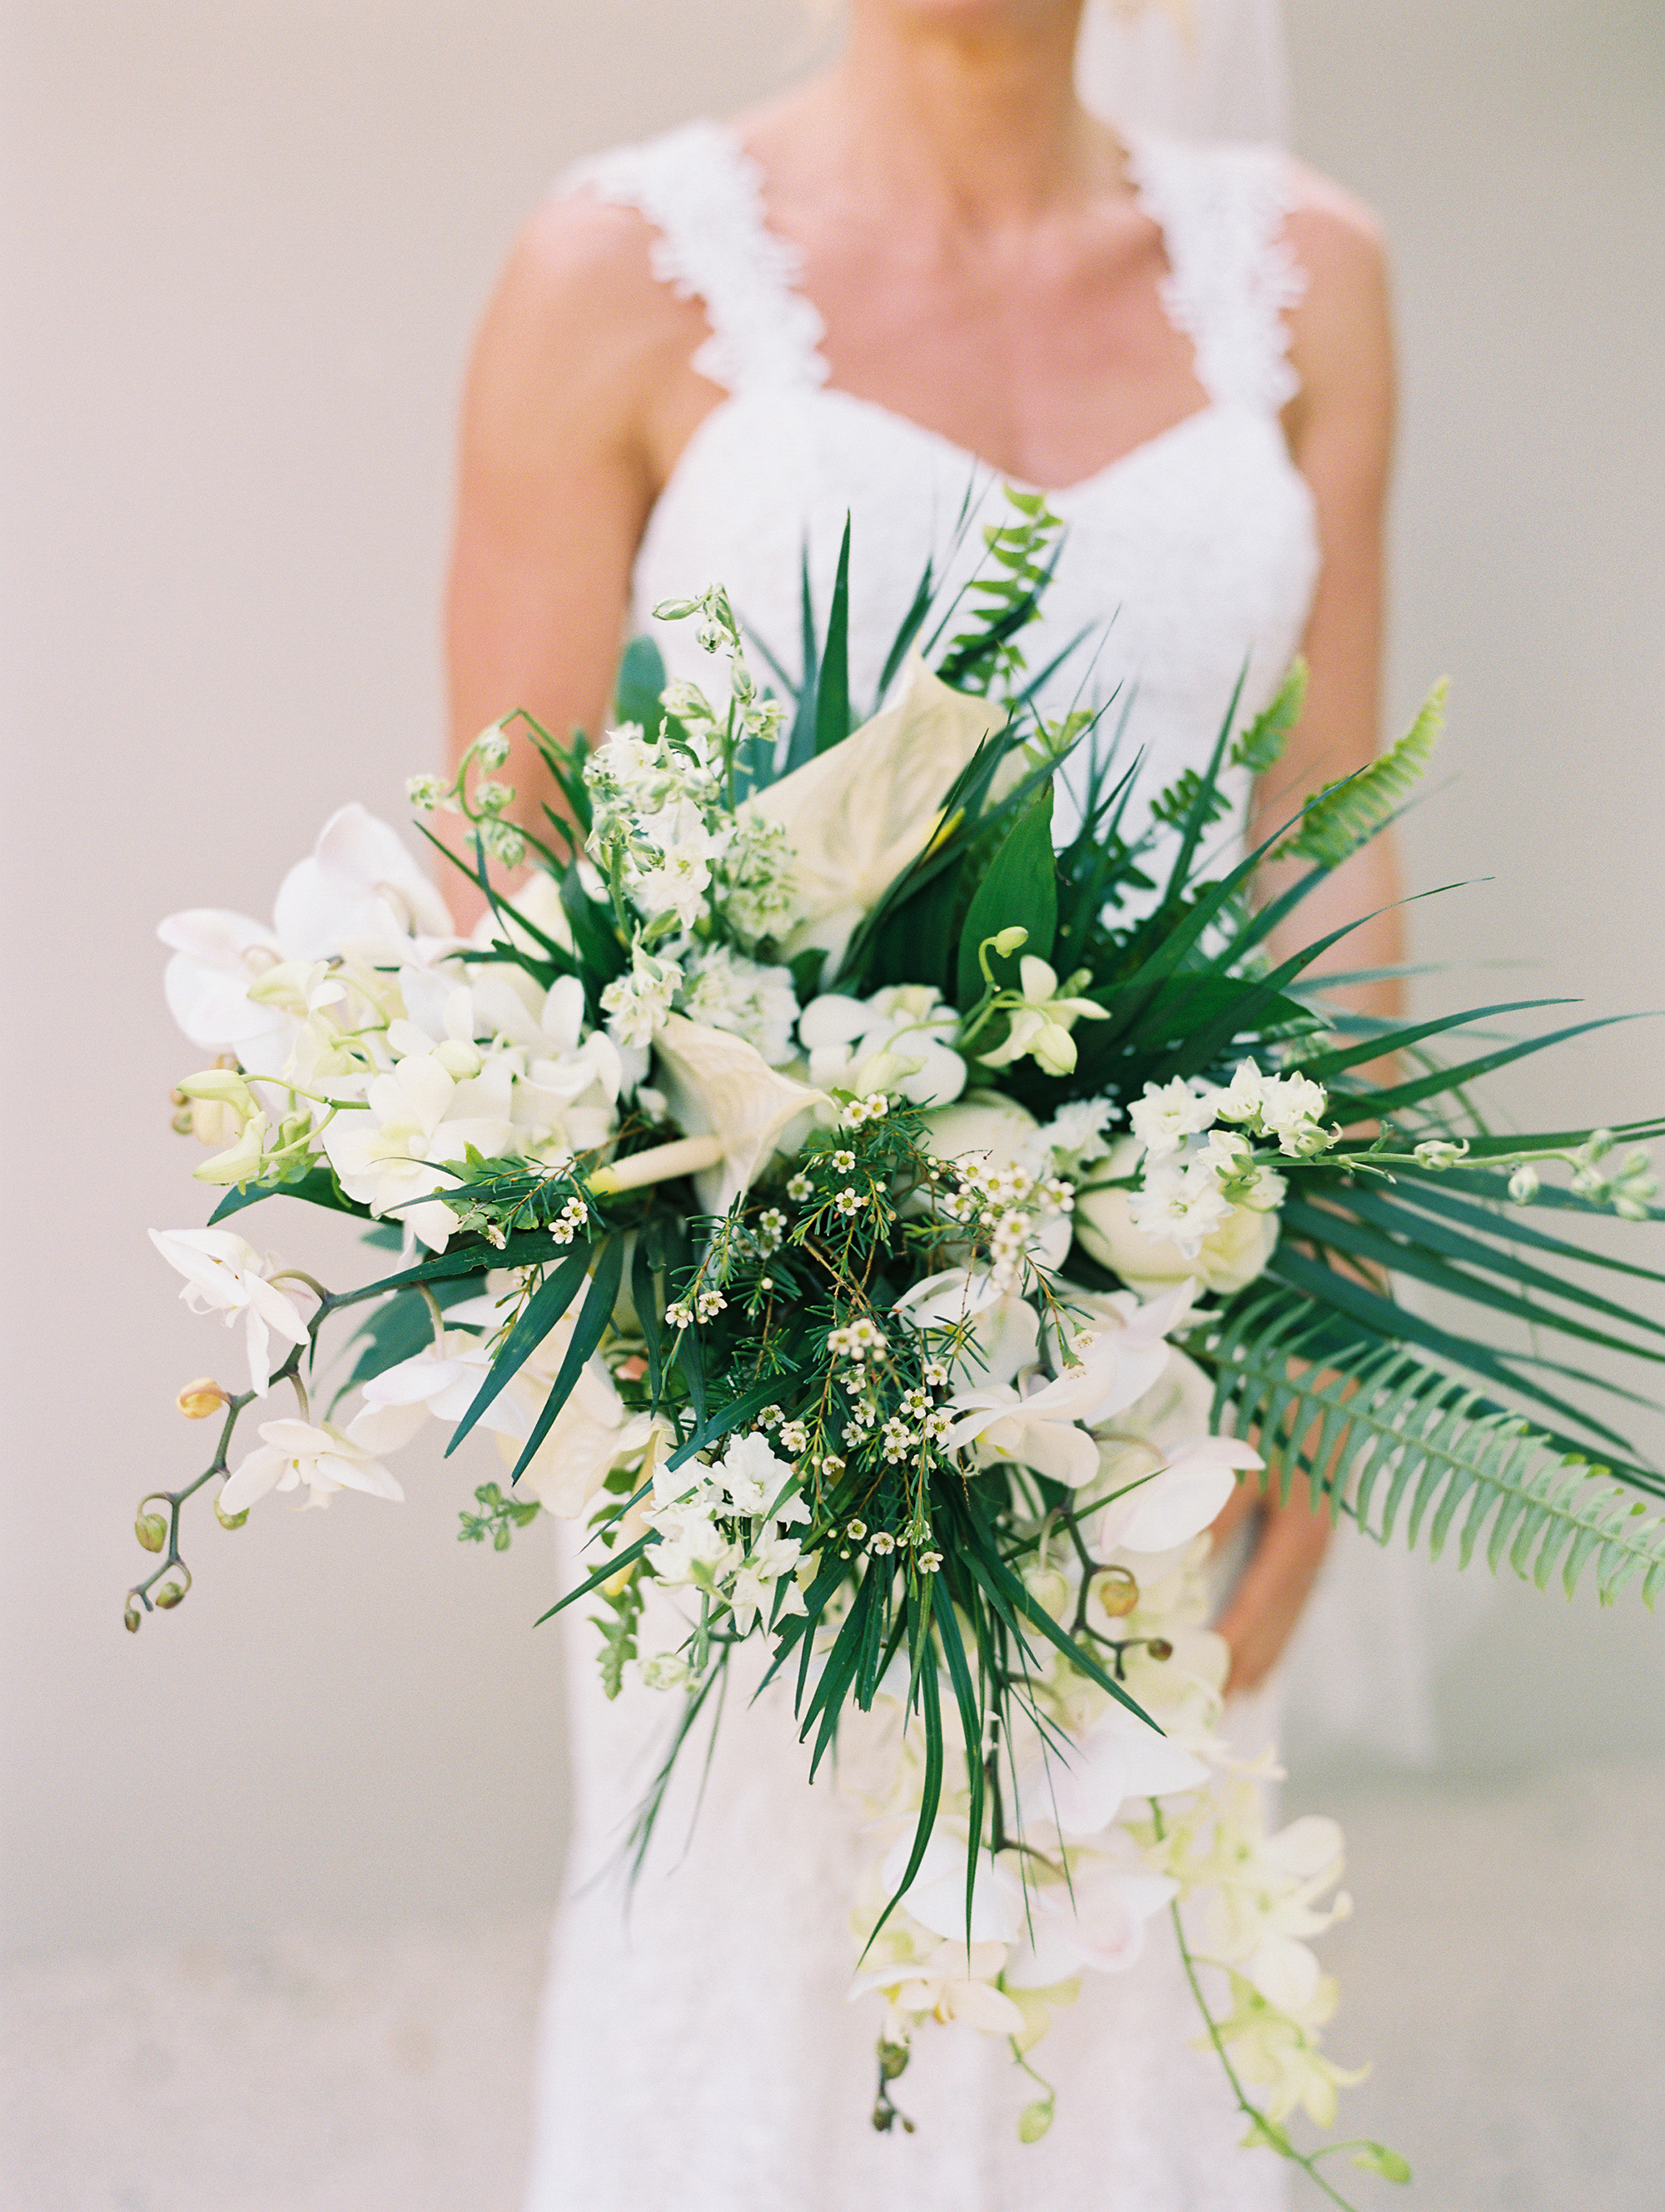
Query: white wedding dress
x: 698, y: 2053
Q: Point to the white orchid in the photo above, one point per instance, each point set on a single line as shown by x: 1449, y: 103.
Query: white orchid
x: 1044, y: 1425
x: 1078, y: 1791
x: 417, y: 1119
x: 320, y: 1456
x: 1041, y: 1018
x: 936, y: 1895
x: 443, y: 1380
x: 225, y: 1274
x: 858, y: 813
x: 901, y: 1039
x: 359, y: 885
x: 1100, y: 1922
x: 592, y: 1433
x: 985, y: 1334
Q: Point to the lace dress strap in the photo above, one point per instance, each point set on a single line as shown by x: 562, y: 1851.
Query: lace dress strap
x: 703, y: 195
x: 1233, y: 271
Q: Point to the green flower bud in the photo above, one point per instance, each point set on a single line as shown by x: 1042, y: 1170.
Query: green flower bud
x: 893, y: 2060
x: 131, y: 1618
x: 151, y: 1529
x: 1116, y: 1592
x: 229, y: 1519
x: 169, y: 1596
x: 1035, y: 2120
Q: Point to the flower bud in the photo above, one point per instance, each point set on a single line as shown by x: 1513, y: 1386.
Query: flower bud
x: 1524, y: 1185
x: 1160, y: 1648
x: 425, y: 792
x: 151, y: 1529
x: 1116, y: 1591
x: 1035, y: 2120
x: 200, y: 1399
x: 893, y: 2060
x: 459, y: 1058
x: 1007, y: 941
x: 169, y: 1596
x: 220, y: 1086
x: 131, y: 1618
x: 229, y: 1519
x: 491, y: 746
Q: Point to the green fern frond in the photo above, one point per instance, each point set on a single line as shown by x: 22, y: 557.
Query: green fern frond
x: 1261, y: 745
x: 1387, y: 1434
x: 1348, y: 814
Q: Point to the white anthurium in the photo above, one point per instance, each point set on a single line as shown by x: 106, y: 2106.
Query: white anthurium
x: 1079, y: 1790
x: 417, y: 1119
x: 1044, y: 1425
x: 443, y: 1379
x: 320, y: 1456
x: 859, y: 812
x: 998, y: 1332
x: 1103, y: 1926
x: 1041, y: 1025
x: 732, y: 1105
x: 902, y: 1040
x: 1187, y: 1495
x: 225, y: 1274
x: 949, y: 1981
x: 592, y: 1434
x: 936, y: 1895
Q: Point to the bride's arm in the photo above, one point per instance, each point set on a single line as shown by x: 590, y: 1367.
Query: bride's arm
x: 564, y: 422
x: 1340, y: 432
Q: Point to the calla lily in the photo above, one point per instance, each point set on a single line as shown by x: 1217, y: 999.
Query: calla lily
x: 859, y: 813
x: 296, y: 1452
x: 224, y: 1274
x: 733, y: 1104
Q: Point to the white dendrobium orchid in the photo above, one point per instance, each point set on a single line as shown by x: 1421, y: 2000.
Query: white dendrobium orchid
x: 1044, y: 1426
x: 858, y: 813
x: 902, y: 1040
x: 996, y: 1334
x: 1042, y: 1024
x: 950, y: 1981
x: 936, y: 1895
x: 443, y: 1379
x: 1079, y: 1791
x: 1183, y: 1498
x: 417, y: 1119
x: 225, y: 1274
x: 1102, y: 1926
x: 294, y: 1452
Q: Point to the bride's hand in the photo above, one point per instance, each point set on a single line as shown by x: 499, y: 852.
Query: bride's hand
x: 1289, y: 1545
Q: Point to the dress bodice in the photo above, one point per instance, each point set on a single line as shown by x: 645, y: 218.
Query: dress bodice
x: 1189, y: 555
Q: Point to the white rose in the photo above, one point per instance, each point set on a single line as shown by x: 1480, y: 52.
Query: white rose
x: 1230, y: 1259
x: 984, y: 1126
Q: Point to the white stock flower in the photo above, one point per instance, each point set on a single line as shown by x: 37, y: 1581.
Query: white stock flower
x: 858, y: 813
x: 751, y: 1473
x: 899, y: 1040
x: 294, y: 1452
x: 638, y: 1004
x: 1170, y: 1112
x: 417, y: 1119
x: 225, y: 1274
x: 443, y: 1379
x: 1228, y: 1255
x: 1184, y: 1205
x: 727, y: 991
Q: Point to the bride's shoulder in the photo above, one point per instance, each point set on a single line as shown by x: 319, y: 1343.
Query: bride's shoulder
x: 1340, y: 336
x: 1337, y: 236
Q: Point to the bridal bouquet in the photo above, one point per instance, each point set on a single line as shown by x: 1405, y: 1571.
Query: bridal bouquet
x: 893, y: 1234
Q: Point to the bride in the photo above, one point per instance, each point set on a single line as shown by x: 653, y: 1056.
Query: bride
x: 928, y: 270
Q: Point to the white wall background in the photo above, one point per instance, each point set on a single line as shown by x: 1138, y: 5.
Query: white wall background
x: 244, y: 249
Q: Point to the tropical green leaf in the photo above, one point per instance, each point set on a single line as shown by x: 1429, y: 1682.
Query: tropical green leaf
x: 545, y: 1307
x: 593, y: 1316
x: 1021, y: 888
x: 832, y: 690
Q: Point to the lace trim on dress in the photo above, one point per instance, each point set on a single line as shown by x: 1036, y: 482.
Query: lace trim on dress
x: 703, y: 195
x: 1222, y: 211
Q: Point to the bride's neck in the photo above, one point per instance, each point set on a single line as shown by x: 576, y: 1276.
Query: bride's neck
x: 981, y: 121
